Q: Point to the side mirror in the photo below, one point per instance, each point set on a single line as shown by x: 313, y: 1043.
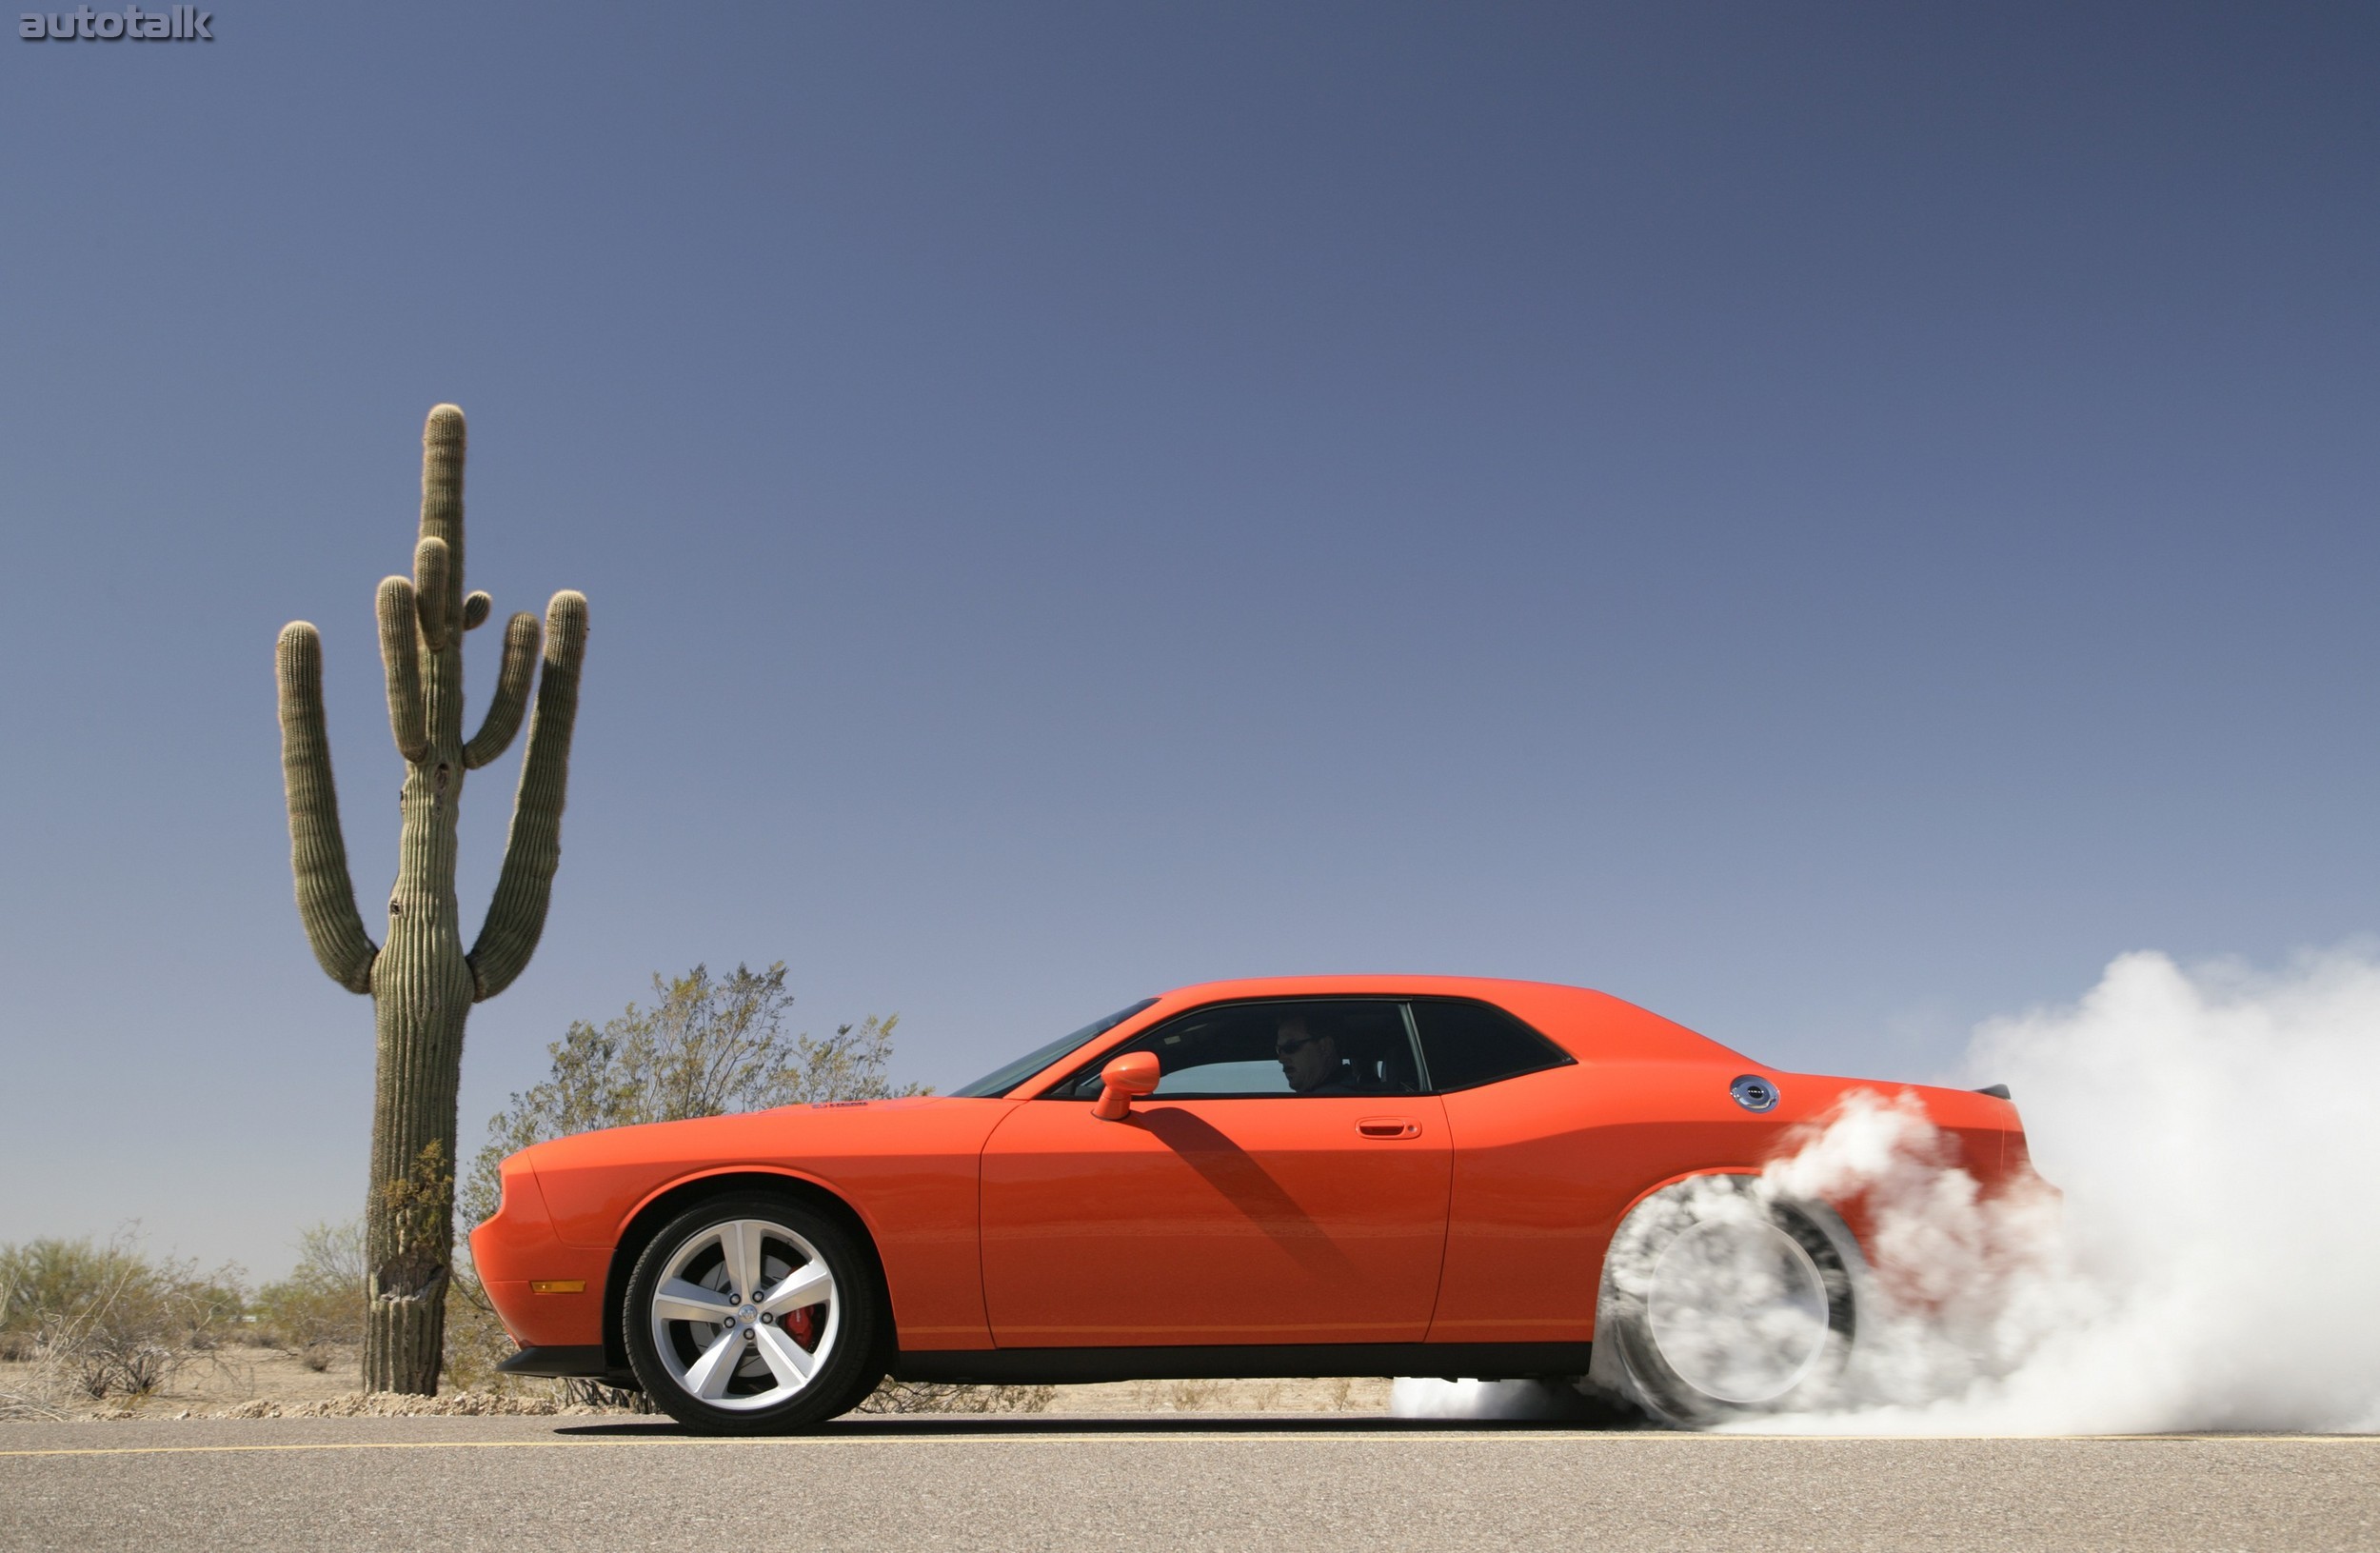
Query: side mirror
x: 1134, y: 1074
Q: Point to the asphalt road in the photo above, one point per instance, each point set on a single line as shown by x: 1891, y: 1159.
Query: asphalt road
x: 1212, y: 1485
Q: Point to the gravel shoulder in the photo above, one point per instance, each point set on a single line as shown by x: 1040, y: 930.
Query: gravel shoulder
x: 236, y: 1379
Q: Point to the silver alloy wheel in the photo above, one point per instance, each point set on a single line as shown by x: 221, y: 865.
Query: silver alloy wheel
x: 724, y: 1307
x: 1738, y: 1309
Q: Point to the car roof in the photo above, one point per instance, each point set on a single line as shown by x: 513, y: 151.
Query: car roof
x: 1375, y: 984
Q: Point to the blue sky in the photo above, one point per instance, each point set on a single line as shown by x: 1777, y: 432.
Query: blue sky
x: 1829, y: 522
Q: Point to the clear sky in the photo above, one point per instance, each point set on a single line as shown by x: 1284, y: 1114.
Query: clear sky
x: 1829, y: 522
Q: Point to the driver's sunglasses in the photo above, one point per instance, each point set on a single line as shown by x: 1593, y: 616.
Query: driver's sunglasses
x: 1291, y: 1045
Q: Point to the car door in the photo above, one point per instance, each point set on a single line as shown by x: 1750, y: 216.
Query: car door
x: 1287, y: 1183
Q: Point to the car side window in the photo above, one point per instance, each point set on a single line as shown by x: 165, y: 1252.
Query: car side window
x: 1471, y: 1043
x: 1285, y: 1047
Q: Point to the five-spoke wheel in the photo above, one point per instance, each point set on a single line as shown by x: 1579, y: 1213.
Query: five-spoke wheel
x: 750, y: 1313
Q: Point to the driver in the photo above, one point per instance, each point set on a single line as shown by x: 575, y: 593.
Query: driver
x: 1310, y: 1062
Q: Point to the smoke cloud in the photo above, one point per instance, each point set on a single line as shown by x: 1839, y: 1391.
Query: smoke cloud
x: 2215, y: 1259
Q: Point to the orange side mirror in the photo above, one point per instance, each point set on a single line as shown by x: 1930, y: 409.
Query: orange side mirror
x: 1135, y: 1073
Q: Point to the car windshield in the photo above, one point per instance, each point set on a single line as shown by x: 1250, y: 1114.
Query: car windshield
x: 1000, y: 1079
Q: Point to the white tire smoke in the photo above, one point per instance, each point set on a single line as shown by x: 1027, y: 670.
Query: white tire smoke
x: 2215, y: 1262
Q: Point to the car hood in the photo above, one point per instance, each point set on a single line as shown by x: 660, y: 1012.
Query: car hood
x: 772, y: 1134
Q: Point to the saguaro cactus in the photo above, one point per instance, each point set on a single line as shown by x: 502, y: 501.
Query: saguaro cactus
x: 422, y: 981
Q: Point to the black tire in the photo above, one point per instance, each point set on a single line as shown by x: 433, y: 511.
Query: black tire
x: 1722, y: 1302
x: 741, y: 1370
x: 860, y: 1388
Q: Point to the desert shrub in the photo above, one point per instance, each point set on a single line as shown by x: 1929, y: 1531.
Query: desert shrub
x: 106, y: 1320
x: 709, y: 1046
x: 476, y: 1340
x: 44, y: 1281
x: 317, y: 1312
x: 933, y: 1397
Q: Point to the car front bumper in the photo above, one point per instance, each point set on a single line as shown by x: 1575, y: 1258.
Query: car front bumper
x: 548, y: 1294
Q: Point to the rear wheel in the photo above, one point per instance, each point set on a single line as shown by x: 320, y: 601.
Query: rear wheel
x: 1720, y: 1301
x: 752, y: 1314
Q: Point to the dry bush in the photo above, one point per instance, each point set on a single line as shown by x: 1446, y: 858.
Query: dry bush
x: 398, y: 1405
x: 1187, y: 1396
x: 107, y: 1320
x: 578, y: 1392
x: 317, y: 1312
x: 933, y: 1397
x: 476, y: 1338
x: 707, y: 1046
x: 42, y: 1281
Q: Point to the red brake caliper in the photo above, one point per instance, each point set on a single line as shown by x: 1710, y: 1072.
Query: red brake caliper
x: 803, y: 1324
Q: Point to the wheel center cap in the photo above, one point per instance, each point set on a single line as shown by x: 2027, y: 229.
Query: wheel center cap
x: 749, y: 1314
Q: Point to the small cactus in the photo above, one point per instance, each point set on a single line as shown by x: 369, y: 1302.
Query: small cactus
x: 422, y: 981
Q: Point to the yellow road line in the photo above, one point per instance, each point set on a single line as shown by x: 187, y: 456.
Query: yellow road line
x: 695, y: 1439
x: 1268, y: 1438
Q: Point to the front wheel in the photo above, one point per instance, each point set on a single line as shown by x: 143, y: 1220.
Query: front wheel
x: 1720, y: 1300
x: 751, y: 1314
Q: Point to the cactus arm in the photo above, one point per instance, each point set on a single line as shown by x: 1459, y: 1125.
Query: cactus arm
x: 432, y: 589
x: 441, y: 495
x: 533, y: 846
x: 475, y: 610
x: 399, y: 634
x: 512, y: 693
x: 318, y: 852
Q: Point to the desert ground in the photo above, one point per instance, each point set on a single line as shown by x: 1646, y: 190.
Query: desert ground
x: 238, y: 1380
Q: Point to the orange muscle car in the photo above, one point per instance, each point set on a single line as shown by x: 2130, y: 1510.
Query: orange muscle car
x: 1319, y: 1176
